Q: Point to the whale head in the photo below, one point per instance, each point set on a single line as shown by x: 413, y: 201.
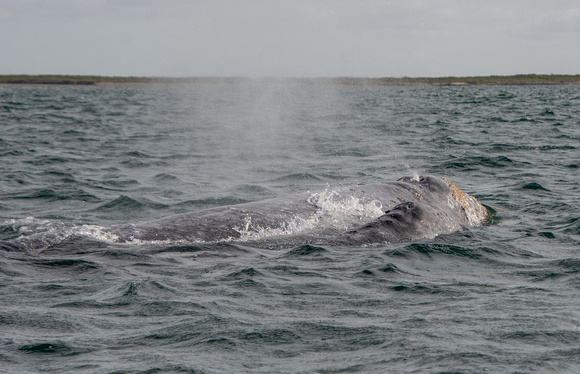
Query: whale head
x: 470, y: 211
x: 438, y: 207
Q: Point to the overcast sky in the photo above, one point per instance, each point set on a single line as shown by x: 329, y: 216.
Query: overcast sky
x: 358, y: 38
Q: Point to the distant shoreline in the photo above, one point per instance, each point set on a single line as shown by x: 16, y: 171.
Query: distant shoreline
x: 492, y: 80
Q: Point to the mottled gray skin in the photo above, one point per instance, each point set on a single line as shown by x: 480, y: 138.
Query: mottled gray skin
x: 405, y: 222
x: 416, y: 208
x: 438, y: 207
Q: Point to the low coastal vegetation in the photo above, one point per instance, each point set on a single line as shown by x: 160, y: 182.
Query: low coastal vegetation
x: 520, y: 79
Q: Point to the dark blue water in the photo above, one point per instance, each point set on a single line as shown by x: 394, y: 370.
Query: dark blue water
x: 499, y: 299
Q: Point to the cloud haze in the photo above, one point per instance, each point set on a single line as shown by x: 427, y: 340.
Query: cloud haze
x: 363, y: 38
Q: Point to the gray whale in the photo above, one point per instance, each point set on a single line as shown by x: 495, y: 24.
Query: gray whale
x: 409, y: 209
x: 405, y: 210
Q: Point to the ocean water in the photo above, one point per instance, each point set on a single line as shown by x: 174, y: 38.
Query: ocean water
x: 502, y: 298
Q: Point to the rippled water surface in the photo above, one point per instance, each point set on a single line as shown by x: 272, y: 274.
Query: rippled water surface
x: 499, y: 299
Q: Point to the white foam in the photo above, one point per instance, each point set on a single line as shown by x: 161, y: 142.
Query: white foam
x: 50, y: 232
x: 28, y: 225
x: 102, y: 234
x: 335, y: 213
x: 94, y: 232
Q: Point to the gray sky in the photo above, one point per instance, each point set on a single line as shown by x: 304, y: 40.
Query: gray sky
x: 359, y: 38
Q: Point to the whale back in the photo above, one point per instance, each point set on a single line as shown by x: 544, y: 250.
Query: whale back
x: 404, y: 210
x: 408, y: 209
